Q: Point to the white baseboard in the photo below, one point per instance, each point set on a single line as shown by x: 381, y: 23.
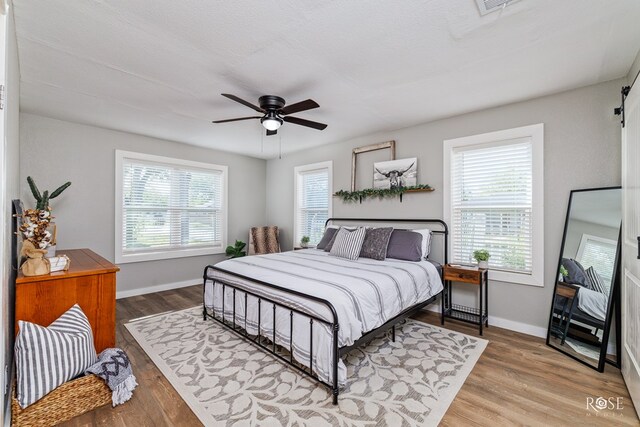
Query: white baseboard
x: 524, y: 328
x: 511, y: 325
x: 157, y: 288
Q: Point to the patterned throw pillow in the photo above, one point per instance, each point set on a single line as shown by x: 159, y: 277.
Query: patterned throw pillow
x: 375, y: 243
x: 596, y: 281
x: 48, y: 357
x: 348, y: 243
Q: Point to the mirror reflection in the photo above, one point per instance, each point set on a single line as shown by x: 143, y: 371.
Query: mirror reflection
x: 580, y: 319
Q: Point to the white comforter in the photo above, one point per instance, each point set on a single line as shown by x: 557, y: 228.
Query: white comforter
x: 365, y: 294
x: 593, y: 303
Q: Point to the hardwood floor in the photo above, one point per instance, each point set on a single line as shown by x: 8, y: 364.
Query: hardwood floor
x: 517, y: 381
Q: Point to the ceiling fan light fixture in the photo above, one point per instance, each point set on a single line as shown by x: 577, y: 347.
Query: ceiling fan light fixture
x: 271, y: 122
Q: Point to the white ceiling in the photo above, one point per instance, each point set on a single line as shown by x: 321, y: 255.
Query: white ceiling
x: 157, y: 67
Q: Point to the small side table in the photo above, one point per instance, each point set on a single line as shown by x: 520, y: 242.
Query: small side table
x: 473, y: 276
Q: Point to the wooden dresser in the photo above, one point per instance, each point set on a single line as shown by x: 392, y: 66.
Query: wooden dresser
x: 90, y: 282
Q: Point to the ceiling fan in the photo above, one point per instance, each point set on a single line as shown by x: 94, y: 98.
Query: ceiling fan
x: 275, y: 112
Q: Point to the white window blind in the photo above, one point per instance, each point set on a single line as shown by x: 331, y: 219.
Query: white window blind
x: 492, y: 203
x: 600, y: 254
x: 169, y: 208
x: 313, y: 201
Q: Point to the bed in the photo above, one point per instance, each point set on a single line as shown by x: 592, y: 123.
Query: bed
x: 323, y: 306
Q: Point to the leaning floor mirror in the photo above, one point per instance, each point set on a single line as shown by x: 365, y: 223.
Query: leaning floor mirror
x: 586, y: 280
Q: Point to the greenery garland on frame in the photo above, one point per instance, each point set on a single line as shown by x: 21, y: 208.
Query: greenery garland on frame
x: 380, y: 193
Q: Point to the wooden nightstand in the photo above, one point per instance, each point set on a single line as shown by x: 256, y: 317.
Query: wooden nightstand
x: 567, y: 295
x: 471, y: 275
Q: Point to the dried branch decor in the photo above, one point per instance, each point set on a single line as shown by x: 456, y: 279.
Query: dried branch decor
x: 36, y: 221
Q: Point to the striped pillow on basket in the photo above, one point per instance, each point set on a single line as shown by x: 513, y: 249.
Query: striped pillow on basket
x: 48, y: 357
x: 348, y: 243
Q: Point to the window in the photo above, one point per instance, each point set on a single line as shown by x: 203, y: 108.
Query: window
x: 313, y: 186
x: 494, y: 201
x: 599, y: 253
x: 168, y: 208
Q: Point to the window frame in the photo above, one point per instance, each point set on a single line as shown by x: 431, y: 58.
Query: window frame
x: 296, y: 176
x: 536, y: 134
x: 584, y: 241
x: 155, y: 254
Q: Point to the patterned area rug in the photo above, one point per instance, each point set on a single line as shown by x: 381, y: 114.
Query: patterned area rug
x: 227, y: 381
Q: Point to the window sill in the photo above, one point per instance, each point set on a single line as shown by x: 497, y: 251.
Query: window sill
x: 515, y: 278
x: 168, y: 254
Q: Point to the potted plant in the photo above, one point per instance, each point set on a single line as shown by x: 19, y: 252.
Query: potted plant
x: 563, y: 273
x: 237, y: 250
x: 482, y: 257
x: 304, y: 242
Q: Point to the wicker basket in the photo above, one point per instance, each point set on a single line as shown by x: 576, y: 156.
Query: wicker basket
x: 71, y: 399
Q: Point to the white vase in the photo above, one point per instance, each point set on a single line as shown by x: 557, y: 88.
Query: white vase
x: 483, y: 264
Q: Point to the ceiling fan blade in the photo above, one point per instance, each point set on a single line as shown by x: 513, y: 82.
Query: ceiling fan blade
x: 243, y: 102
x: 309, y: 104
x: 271, y: 132
x: 303, y: 122
x: 235, y: 120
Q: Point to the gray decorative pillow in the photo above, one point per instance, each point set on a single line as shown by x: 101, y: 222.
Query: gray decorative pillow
x: 375, y: 243
x: 329, y: 233
x: 577, y: 274
x: 348, y: 243
x: 48, y: 357
x: 405, y: 245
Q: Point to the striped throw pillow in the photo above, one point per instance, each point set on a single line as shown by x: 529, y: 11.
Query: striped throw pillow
x: 348, y: 243
x: 48, y: 357
x: 596, y: 281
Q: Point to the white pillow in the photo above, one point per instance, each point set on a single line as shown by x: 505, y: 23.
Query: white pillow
x: 48, y: 357
x: 348, y: 243
x: 426, y: 241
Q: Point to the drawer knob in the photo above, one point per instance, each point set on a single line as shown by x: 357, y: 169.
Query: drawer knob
x: 460, y: 275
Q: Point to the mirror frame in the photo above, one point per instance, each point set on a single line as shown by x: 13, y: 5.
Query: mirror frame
x: 614, y: 294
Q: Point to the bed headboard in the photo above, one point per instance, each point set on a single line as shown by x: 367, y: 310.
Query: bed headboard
x: 442, y: 230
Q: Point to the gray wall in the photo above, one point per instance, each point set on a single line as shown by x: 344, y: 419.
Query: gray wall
x: 582, y: 150
x: 54, y: 151
x: 635, y: 68
x: 10, y: 176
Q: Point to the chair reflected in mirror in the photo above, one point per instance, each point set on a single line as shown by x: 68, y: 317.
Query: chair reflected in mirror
x: 587, y: 277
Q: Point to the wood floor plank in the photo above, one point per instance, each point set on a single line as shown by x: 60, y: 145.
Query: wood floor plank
x: 517, y: 381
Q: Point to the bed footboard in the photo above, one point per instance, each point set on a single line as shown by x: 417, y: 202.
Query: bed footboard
x: 268, y: 343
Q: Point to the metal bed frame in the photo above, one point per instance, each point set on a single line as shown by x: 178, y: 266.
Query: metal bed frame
x: 269, y: 345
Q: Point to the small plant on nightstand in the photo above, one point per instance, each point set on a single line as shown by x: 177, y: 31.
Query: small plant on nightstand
x: 563, y: 272
x: 304, y: 242
x: 482, y: 257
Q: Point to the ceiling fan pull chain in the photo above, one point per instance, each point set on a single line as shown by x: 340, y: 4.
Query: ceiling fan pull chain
x: 280, y: 149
